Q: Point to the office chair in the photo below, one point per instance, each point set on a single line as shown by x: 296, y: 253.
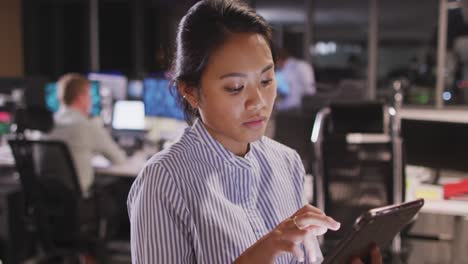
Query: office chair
x: 292, y: 128
x: 66, y: 223
x: 351, y: 90
x: 353, y: 165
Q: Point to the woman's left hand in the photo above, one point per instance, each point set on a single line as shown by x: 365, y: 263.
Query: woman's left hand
x: 375, y: 257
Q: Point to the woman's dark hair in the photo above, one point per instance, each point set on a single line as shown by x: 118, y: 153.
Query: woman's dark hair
x: 206, y: 26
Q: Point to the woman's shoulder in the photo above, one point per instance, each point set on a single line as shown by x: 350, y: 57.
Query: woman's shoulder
x: 271, y: 150
x: 270, y: 146
x: 174, y: 154
x: 162, y: 169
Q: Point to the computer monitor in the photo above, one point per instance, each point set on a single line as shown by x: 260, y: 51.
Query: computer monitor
x: 135, y: 89
x: 116, y: 84
x: 281, y: 83
x: 128, y: 116
x: 53, y: 103
x: 159, y: 101
x: 435, y: 144
x: 358, y: 117
x: 5, y: 122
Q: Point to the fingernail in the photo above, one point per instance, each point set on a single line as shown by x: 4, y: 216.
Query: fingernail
x: 336, y: 225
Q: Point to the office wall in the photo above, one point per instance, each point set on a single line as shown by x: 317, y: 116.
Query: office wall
x: 11, y: 39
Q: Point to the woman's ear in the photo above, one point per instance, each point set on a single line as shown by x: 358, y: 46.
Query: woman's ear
x: 189, y: 94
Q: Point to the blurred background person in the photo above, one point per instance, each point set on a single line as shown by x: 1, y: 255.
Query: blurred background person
x: 300, y: 78
x: 83, y: 137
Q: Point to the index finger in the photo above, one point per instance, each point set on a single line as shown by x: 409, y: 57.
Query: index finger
x: 310, y: 218
x: 309, y: 208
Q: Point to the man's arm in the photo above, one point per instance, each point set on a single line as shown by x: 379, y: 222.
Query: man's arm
x: 308, y: 77
x: 105, y: 145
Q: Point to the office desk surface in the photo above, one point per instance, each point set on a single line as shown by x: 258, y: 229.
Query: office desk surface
x: 130, y: 168
x: 6, y: 157
x: 458, y: 209
x: 446, y: 207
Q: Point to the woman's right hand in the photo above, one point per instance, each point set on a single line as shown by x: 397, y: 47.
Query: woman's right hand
x: 288, y: 236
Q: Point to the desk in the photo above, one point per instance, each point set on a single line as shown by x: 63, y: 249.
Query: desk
x: 458, y: 209
x: 446, y: 207
x: 130, y: 168
x: 416, y: 175
x: 6, y: 157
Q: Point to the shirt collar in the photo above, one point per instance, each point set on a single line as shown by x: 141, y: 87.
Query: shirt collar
x: 69, y: 111
x: 205, y: 137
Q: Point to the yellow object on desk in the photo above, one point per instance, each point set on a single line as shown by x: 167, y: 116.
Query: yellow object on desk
x: 429, y: 192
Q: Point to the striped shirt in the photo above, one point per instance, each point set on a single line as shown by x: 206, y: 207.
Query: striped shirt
x: 197, y: 202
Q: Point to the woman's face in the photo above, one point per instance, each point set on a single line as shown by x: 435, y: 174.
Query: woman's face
x: 238, y: 89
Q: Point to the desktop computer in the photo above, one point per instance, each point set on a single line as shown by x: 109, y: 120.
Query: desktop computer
x: 115, y: 84
x: 435, y: 144
x: 128, y: 124
x: 5, y: 122
x: 159, y: 101
x: 128, y: 116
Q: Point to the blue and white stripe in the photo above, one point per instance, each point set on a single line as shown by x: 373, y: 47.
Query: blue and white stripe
x: 197, y: 202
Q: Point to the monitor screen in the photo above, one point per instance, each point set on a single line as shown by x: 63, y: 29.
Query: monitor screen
x: 53, y: 103
x: 159, y: 101
x: 115, y: 84
x: 128, y: 115
x: 435, y: 144
x: 135, y: 89
x: 5, y: 122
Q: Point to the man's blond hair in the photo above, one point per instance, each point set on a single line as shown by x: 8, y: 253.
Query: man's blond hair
x: 70, y: 86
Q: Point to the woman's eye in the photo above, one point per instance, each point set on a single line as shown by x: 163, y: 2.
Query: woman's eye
x: 267, y: 82
x: 234, y: 89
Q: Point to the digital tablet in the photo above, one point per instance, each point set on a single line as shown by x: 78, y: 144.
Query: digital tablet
x: 377, y: 226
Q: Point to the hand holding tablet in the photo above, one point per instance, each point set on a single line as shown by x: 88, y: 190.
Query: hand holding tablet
x: 376, y: 227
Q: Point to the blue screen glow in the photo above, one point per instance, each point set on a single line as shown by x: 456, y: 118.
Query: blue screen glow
x: 159, y: 101
x: 53, y: 103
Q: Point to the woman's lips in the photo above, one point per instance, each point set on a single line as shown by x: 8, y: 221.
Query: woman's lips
x: 255, y: 123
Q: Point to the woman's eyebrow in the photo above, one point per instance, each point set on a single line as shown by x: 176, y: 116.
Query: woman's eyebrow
x: 268, y: 67
x: 240, y: 74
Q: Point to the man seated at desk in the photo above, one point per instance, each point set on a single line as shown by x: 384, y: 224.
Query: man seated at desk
x: 83, y: 137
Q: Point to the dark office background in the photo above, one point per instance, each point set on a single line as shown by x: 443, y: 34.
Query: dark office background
x: 131, y: 35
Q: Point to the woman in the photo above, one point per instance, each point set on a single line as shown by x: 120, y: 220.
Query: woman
x: 223, y: 193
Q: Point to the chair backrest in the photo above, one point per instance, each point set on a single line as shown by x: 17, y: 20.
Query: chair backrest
x: 292, y: 128
x: 51, y: 162
x: 351, y: 90
x: 351, y: 177
x: 361, y: 117
x: 51, y: 187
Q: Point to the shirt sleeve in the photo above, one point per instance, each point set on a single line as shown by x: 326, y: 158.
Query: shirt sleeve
x: 308, y: 78
x: 159, y: 219
x: 105, y: 145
